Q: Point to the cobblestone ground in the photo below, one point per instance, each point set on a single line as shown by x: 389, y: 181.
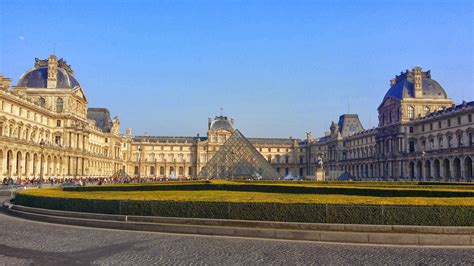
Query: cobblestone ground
x: 29, y: 242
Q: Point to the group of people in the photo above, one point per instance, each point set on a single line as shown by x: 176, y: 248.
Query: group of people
x: 79, y: 181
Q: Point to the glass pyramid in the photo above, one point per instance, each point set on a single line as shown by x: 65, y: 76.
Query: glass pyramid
x: 238, y: 159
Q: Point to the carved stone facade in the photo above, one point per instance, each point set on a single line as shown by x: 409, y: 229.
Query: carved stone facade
x: 421, y: 135
x: 47, y: 129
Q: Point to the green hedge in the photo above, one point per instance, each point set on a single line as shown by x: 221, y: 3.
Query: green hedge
x: 309, y: 213
x: 356, y: 191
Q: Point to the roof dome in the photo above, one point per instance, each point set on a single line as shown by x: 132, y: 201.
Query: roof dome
x: 402, y: 87
x: 37, y: 76
x: 222, y: 122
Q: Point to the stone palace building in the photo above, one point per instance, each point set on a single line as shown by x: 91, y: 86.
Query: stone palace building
x: 46, y: 128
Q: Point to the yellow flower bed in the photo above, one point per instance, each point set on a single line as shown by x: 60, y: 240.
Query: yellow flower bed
x: 249, y: 197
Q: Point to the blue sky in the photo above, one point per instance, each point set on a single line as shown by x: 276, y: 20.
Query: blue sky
x: 279, y: 68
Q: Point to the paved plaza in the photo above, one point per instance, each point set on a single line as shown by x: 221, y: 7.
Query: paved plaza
x: 25, y: 242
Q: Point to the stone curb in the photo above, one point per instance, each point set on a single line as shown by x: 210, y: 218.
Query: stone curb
x: 257, y: 224
x: 452, y: 236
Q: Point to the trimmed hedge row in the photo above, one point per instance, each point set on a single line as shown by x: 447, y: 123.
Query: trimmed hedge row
x: 308, y: 213
x: 386, y: 192
x: 427, y: 183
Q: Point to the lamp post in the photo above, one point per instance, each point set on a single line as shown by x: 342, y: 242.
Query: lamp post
x: 174, y: 170
x: 139, y: 163
x: 42, y: 143
x: 164, y: 173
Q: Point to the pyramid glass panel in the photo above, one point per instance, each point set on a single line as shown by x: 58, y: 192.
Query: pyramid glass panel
x: 238, y: 159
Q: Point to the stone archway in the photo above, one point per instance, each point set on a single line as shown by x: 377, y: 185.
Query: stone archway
x: 19, y: 166
x: 152, y: 170
x: 9, y: 163
x: 419, y: 170
x: 436, y: 169
x: 162, y: 171
x: 446, y: 169
x: 428, y: 174
x: 468, y: 168
x: 35, y: 165
x: 2, y: 173
x: 27, y: 171
x: 456, y: 168
x: 411, y: 169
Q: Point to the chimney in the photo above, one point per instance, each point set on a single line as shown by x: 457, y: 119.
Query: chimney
x: 52, y: 72
x: 6, y: 83
x: 417, y: 88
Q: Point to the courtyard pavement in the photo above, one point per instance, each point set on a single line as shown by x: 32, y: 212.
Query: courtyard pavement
x: 29, y: 242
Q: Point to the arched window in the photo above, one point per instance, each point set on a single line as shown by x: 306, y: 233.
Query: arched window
x: 59, y: 105
x: 162, y: 170
x: 411, y: 112
x: 152, y: 170
x: 42, y: 101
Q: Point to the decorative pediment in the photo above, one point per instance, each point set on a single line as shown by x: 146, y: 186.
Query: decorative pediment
x: 79, y: 93
x: 388, y: 101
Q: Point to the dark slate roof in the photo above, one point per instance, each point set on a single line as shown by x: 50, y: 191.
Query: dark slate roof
x: 404, y: 87
x: 455, y: 108
x: 37, y: 77
x: 166, y: 139
x: 349, y: 124
x: 324, y: 139
x: 101, y: 116
x: 222, y: 122
x: 275, y: 141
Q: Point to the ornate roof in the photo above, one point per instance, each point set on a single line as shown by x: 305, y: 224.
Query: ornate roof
x: 101, y: 116
x: 222, y: 122
x: 402, y: 86
x: 37, y: 76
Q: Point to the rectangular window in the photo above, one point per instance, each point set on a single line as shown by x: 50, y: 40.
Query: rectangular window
x: 58, y: 123
x: 423, y: 128
x: 459, y: 120
x: 439, y: 124
x: 469, y: 118
x: 411, y: 130
x: 449, y: 122
x: 411, y: 147
x: 431, y: 126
